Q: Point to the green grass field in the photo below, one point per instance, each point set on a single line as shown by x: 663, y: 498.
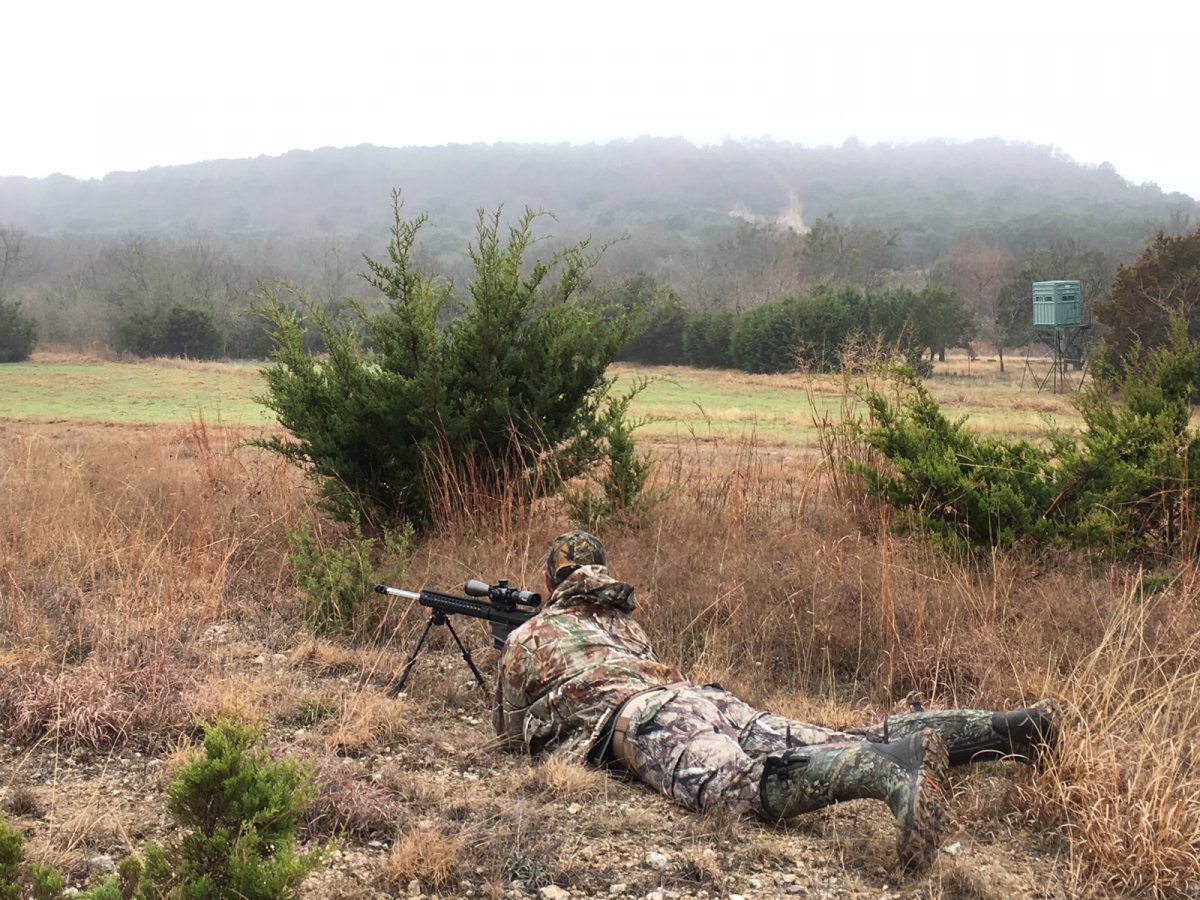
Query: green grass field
x: 782, y: 408
x: 147, y: 391
x: 678, y: 401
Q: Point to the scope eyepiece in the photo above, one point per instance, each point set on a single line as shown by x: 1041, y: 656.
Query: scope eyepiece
x: 528, y: 598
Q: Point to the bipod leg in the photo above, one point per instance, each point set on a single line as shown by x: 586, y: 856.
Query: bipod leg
x: 466, y: 655
x: 437, y: 617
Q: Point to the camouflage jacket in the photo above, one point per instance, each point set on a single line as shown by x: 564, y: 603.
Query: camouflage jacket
x: 564, y: 672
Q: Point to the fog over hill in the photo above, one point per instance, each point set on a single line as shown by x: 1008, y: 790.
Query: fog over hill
x: 728, y: 226
x: 667, y: 190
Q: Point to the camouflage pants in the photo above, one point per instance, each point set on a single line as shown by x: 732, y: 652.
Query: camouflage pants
x: 703, y: 748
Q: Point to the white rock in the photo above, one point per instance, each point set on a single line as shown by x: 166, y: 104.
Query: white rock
x: 656, y: 895
x: 954, y: 849
x: 414, y: 888
x: 553, y: 892
x: 656, y: 860
x: 102, y: 863
x: 617, y: 889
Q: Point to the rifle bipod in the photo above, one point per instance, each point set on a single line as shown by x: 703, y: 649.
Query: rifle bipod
x: 501, y: 611
x: 436, y: 617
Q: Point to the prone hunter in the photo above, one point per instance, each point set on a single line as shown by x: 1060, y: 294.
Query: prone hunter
x: 581, y: 677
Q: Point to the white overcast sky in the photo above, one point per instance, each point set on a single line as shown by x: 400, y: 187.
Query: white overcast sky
x: 119, y: 85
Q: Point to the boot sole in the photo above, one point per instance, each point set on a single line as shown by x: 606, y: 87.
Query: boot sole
x: 917, y: 847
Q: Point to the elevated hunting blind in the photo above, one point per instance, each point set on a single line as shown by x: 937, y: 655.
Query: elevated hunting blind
x: 1057, y: 304
x: 1064, y: 326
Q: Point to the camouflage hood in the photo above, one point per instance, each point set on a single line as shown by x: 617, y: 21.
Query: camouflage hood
x: 564, y: 672
x: 592, y: 586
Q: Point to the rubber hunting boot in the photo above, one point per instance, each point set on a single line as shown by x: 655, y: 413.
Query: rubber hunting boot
x: 906, y: 775
x: 974, y: 735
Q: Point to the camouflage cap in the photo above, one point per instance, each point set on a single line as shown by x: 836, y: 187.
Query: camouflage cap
x: 570, y: 551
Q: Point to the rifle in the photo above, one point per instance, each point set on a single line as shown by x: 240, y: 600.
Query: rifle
x: 501, y: 609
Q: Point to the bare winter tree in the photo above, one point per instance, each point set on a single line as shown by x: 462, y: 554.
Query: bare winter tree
x: 838, y: 254
x: 335, y: 265
x: 752, y: 267
x: 15, y: 258
x: 978, y: 272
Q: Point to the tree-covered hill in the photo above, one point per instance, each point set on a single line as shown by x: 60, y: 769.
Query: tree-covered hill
x: 727, y: 228
x: 667, y: 192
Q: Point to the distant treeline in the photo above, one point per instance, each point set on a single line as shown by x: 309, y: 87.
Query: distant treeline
x: 765, y: 238
x: 813, y: 331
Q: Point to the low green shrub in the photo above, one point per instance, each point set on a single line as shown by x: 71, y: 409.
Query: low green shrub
x: 241, y: 809
x: 12, y: 847
x: 18, y: 332
x: 954, y: 484
x: 706, y: 340
x: 1125, y: 483
x: 36, y: 881
x: 171, y: 330
x: 338, y: 577
x: 46, y: 882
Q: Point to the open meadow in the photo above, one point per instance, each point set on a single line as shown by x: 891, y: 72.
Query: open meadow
x: 144, y: 590
x: 678, y: 402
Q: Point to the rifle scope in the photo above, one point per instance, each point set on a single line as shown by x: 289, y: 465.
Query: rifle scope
x: 501, y: 595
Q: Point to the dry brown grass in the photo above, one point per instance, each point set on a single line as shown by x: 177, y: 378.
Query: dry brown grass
x: 92, y: 706
x: 347, y: 803
x: 424, y: 855
x: 370, y: 720
x: 566, y: 780
x: 124, y: 551
x: 1127, y: 784
x: 65, y: 353
x: 125, y: 543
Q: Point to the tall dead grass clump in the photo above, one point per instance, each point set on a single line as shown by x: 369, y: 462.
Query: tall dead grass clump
x: 489, y: 522
x: 91, y: 707
x: 563, y: 779
x: 118, y: 547
x: 424, y: 855
x: 348, y: 803
x: 752, y: 573
x: 843, y: 453
x: 1127, y: 782
x: 470, y: 495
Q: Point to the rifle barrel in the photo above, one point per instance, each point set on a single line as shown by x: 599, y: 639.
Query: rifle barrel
x: 397, y: 592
